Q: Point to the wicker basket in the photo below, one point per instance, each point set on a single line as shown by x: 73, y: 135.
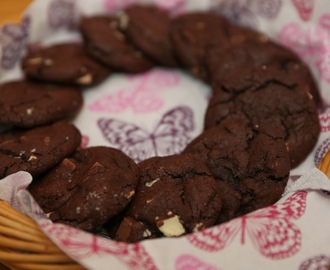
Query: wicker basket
x: 24, y: 246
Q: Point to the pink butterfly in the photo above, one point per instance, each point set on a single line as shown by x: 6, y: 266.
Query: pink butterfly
x: 190, y: 262
x: 318, y: 262
x: 62, y: 14
x: 174, y: 6
x: 312, y: 44
x: 113, y: 5
x: 84, y: 142
x: 304, y: 8
x: 325, y: 120
x: 170, y: 136
x: 270, y: 229
x: 324, y: 22
x: 83, y: 245
x: 141, y: 96
x: 247, y: 12
x: 13, y: 40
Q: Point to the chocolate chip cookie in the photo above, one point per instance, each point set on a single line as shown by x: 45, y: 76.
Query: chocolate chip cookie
x: 87, y: 189
x: 193, y: 34
x: 64, y: 63
x: 250, y: 163
x: 233, y: 67
x: 266, y: 98
x: 176, y: 195
x: 38, y: 149
x: 148, y: 28
x: 105, y: 42
x: 27, y: 104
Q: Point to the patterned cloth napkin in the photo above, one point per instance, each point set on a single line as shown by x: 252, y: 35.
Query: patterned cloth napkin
x: 165, y: 108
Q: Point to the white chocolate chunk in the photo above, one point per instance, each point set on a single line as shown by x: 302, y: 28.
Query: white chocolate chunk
x: 85, y: 80
x: 150, y: 184
x: 149, y: 201
x: 123, y: 21
x: 32, y: 158
x: 35, y: 61
x: 146, y: 233
x: 130, y: 194
x: 172, y: 227
x: 29, y: 111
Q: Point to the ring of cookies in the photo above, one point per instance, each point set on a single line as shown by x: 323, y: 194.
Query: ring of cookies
x: 261, y: 122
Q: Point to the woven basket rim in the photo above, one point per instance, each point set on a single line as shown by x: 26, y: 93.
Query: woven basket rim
x: 24, y: 246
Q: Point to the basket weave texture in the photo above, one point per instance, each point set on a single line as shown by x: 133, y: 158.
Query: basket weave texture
x: 24, y: 246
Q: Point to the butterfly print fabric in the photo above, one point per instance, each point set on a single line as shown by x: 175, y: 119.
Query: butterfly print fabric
x: 270, y: 230
x: 170, y: 136
x: 158, y: 113
x: 141, y: 96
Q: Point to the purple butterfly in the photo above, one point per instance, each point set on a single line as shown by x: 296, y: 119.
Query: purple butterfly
x: 61, y: 14
x: 13, y: 39
x: 237, y: 12
x: 245, y: 12
x: 320, y: 262
x: 170, y: 136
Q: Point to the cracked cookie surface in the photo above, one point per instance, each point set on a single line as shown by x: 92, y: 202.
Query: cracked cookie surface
x: 260, y: 96
x: 251, y: 63
x: 27, y: 104
x: 87, y: 189
x: 250, y: 163
x: 38, y: 149
x: 176, y: 195
x: 64, y: 63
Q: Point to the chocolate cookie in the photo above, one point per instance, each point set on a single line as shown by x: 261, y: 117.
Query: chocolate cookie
x: 273, y: 101
x: 64, y: 63
x: 148, y: 29
x: 38, y: 149
x: 27, y: 104
x: 194, y: 34
x: 105, y: 42
x: 250, y: 163
x: 247, y: 57
x: 176, y: 195
x: 89, y: 188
